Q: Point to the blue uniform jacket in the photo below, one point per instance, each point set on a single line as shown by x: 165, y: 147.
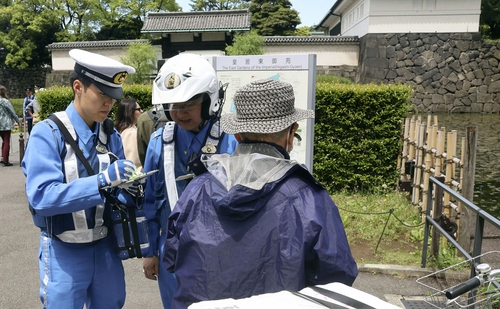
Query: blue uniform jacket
x: 268, y: 227
x: 47, y: 192
x: 156, y: 205
x: 27, y: 100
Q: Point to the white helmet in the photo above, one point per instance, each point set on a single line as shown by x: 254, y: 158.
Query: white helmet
x: 184, y: 76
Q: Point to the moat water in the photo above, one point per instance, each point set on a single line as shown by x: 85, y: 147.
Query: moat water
x: 487, y: 174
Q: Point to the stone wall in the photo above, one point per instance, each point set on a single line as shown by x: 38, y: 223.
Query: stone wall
x: 450, y: 72
x: 16, y: 81
x: 58, y: 78
x: 347, y: 71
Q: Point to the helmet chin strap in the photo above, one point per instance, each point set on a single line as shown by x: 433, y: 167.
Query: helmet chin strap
x: 202, y: 124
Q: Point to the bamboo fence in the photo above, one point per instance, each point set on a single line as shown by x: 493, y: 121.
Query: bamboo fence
x: 429, y: 150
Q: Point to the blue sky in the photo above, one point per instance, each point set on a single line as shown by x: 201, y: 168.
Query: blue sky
x: 311, y: 12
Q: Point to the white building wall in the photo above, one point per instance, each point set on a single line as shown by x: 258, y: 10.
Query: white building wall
x: 355, y: 18
x: 61, y: 61
x: 424, y: 24
x: 327, y: 55
x: 360, y: 17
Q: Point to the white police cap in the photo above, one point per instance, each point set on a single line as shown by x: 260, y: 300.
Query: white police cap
x: 107, y: 74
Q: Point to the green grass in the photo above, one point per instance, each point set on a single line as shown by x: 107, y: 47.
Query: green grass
x: 385, y: 228
x: 365, y: 216
x: 333, y: 79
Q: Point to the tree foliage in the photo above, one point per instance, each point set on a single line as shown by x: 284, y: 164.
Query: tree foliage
x: 214, y: 5
x: 274, y: 17
x: 249, y: 43
x: 28, y: 26
x: 490, y: 19
x: 25, y: 30
x: 303, y: 31
x: 142, y: 57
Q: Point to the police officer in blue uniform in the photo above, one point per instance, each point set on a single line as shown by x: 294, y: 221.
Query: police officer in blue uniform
x: 187, y: 88
x: 27, y: 116
x: 78, y: 263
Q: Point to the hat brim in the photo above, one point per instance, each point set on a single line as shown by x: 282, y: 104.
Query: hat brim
x: 232, y: 125
x: 113, y: 92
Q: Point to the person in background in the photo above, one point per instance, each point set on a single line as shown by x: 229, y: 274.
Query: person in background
x: 7, y: 118
x: 33, y: 107
x: 27, y: 100
x: 147, y: 123
x: 188, y: 89
x: 256, y: 222
x: 78, y: 263
x: 126, y: 117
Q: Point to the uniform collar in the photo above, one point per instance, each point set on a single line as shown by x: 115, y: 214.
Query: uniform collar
x: 82, y: 129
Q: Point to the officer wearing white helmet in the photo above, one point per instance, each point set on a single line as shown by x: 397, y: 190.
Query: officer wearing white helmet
x: 189, y: 91
x: 78, y: 262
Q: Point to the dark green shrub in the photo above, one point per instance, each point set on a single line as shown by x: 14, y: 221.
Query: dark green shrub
x: 18, y: 106
x: 57, y: 98
x: 357, y: 134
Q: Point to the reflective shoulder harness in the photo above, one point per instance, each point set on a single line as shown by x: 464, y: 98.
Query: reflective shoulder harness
x: 82, y: 233
x: 210, y: 147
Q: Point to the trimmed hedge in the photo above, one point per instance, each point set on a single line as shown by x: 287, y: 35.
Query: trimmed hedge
x: 357, y: 135
x: 18, y: 106
x: 57, y: 98
x: 357, y: 130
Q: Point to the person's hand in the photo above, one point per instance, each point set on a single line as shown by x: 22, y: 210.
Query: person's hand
x: 134, y: 188
x: 150, y: 267
x: 116, y: 174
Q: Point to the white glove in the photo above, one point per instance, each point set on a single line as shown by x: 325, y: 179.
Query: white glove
x: 116, y: 174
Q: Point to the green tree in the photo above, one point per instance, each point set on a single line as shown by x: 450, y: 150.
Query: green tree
x: 125, y: 28
x: 249, y: 43
x: 25, y: 31
x: 303, y: 31
x: 274, y: 17
x: 214, y: 5
x: 142, y: 57
x: 490, y: 19
x: 28, y: 26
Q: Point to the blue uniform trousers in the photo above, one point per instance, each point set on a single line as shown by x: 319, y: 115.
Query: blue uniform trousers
x: 166, y: 280
x: 72, y: 275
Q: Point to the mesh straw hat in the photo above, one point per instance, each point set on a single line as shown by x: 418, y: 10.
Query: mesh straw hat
x: 263, y: 106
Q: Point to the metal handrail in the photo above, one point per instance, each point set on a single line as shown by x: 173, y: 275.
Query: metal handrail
x: 481, y: 216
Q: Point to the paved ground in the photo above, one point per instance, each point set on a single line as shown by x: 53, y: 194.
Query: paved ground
x: 19, y: 247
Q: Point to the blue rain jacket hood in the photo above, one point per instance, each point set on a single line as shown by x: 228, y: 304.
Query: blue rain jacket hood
x: 255, y: 223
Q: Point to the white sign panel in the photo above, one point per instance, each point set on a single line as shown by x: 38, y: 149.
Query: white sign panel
x: 297, y: 70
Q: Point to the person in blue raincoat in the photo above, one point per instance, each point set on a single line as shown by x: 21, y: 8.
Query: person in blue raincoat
x: 256, y: 222
x: 77, y: 259
x: 187, y: 87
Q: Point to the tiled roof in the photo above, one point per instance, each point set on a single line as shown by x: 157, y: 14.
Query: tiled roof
x: 202, y: 21
x: 94, y: 44
x: 313, y: 39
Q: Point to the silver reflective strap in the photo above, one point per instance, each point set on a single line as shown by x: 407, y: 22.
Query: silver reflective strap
x: 81, y: 233
x: 71, y: 169
x: 169, y: 163
x: 104, y: 160
x: 44, y: 257
x: 212, y: 139
x: 83, y: 236
x: 168, y: 132
x: 103, y: 137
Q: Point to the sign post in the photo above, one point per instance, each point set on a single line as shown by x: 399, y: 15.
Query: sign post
x: 297, y: 70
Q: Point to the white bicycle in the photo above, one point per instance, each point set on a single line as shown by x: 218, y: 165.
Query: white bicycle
x: 452, y: 287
